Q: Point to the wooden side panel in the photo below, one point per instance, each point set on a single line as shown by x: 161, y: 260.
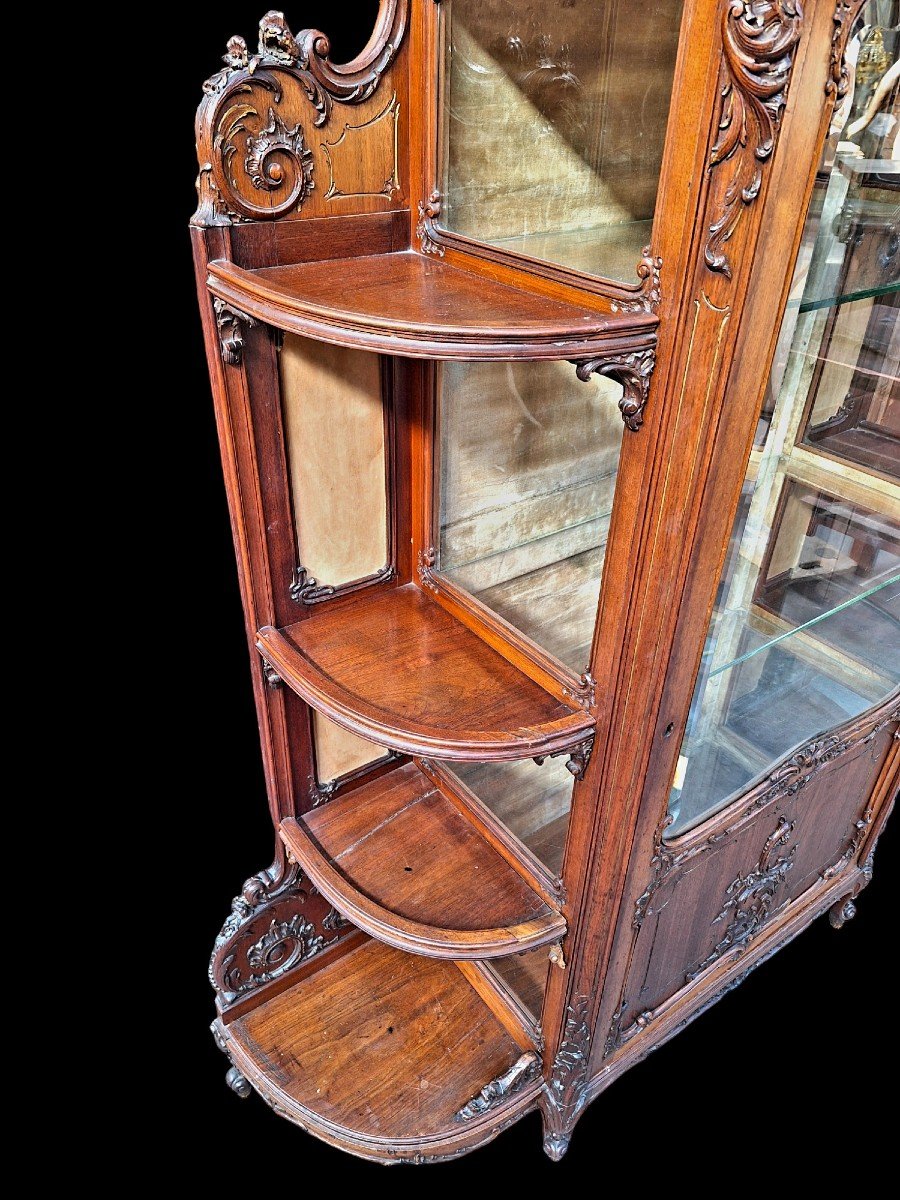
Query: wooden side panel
x: 334, y: 426
x: 713, y: 892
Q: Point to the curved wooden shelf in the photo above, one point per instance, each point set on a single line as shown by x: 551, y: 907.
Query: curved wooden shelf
x: 419, y: 307
x: 399, y: 670
x: 399, y: 859
x: 378, y: 1053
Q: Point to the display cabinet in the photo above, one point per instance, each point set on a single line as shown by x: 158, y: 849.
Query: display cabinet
x: 554, y: 353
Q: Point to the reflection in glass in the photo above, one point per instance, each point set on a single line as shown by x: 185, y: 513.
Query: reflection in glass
x: 531, y: 801
x: 556, y: 122
x: 805, y: 633
x: 529, y: 456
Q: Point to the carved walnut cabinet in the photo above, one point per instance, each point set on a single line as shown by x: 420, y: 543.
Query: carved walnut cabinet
x: 554, y: 352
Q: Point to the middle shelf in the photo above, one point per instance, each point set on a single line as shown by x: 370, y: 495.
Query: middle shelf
x: 400, y: 860
x: 399, y: 670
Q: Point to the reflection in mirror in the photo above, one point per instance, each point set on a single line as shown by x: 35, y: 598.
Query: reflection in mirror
x: 532, y: 801
x: 805, y: 633
x: 529, y: 457
x: 556, y: 123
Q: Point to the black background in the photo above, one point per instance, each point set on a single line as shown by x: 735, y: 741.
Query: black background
x: 808, y: 1031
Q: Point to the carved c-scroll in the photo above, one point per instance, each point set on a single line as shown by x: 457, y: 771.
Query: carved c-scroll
x: 632, y: 370
x: 244, y: 144
x: 758, y: 38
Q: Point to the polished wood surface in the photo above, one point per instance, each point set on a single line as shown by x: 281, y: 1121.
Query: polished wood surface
x: 396, y: 668
x: 378, y: 1053
x: 401, y: 861
x: 337, y: 1033
x: 420, y: 307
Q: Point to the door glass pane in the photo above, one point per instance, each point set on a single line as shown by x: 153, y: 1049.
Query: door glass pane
x: 805, y: 633
x: 529, y: 456
x: 556, y: 122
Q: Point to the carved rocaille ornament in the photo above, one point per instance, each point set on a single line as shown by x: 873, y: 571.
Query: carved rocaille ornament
x: 648, y: 298
x: 759, y: 38
x: 244, y: 144
x: 632, y: 370
x: 429, y: 211
x: 277, y: 922
x: 566, y: 1092
x: 523, y: 1070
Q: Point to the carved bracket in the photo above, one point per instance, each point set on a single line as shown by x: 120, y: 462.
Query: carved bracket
x: 632, y: 370
x: 425, y: 568
x: 429, y: 211
x: 759, y: 38
x: 271, y: 676
x: 648, y: 296
x: 522, y: 1071
x: 231, y: 340
x: 275, y: 924
x: 579, y: 757
x: 305, y: 589
x: 584, y: 694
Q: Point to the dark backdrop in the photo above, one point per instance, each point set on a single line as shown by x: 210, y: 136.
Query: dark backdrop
x: 806, y: 1031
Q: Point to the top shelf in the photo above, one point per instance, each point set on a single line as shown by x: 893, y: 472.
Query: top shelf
x: 414, y: 306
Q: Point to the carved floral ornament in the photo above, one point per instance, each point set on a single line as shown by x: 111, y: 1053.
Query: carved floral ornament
x: 255, y: 165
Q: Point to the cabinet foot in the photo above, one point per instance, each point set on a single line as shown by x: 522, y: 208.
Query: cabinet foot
x: 842, y: 912
x: 555, y: 1145
x: 237, y: 1083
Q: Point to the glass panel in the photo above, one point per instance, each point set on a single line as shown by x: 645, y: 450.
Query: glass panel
x: 531, y: 801
x: 526, y: 976
x: 529, y: 456
x: 334, y: 428
x: 556, y: 122
x: 805, y: 632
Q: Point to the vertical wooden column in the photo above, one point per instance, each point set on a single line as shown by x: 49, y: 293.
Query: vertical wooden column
x: 224, y: 335
x: 754, y: 89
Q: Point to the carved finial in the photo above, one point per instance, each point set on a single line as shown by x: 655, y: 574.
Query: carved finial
x: 235, y: 55
x: 276, y: 40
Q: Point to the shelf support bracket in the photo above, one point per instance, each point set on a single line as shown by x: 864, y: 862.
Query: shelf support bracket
x: 632, y: 370
x: 523, y: 1070
x: 231, y: 340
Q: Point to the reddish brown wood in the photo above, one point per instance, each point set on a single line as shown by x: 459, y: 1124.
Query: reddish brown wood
x: 378, y: 1053
x: 413, y: 305
x: 432, y: 688
x: 398, y: 859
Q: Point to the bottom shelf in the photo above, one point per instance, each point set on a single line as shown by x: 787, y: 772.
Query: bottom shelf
x: 380, y: 1052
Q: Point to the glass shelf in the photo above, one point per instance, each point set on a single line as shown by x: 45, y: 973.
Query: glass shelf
x: 872, y: 293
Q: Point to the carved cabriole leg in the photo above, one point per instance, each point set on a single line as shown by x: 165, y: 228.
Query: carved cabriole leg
x: 566, y: 1091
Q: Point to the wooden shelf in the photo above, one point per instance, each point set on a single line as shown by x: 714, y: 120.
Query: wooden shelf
x: 419, y: 307
x: 378, y: 1052
x: 399, y: 859
x: 398, y: 669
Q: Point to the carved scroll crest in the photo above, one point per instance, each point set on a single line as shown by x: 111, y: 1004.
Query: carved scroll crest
x: 759, y: 38
x: 246, y: 146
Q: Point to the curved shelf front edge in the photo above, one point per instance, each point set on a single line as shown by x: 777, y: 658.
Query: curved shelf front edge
x: 403, y: 933
x: 352, y: 714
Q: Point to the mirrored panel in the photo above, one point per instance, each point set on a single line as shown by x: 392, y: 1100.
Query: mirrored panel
x: 529, y: 457
x: 805, y: 633
x: 556, y: 119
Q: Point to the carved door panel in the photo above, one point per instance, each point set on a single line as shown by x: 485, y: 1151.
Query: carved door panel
x: 715, y: 891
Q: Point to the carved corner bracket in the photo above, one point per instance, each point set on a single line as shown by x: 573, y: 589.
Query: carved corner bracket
x: 632, y: 369
x: 305, y: 589
x: 523, y: 1070
x: 244, y: 145
x: 231, y: 338
x: 429, y: 211
x: 578, y: 757
x: 647, y: 296
x: 425, y: 568
x: 584, y: 694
